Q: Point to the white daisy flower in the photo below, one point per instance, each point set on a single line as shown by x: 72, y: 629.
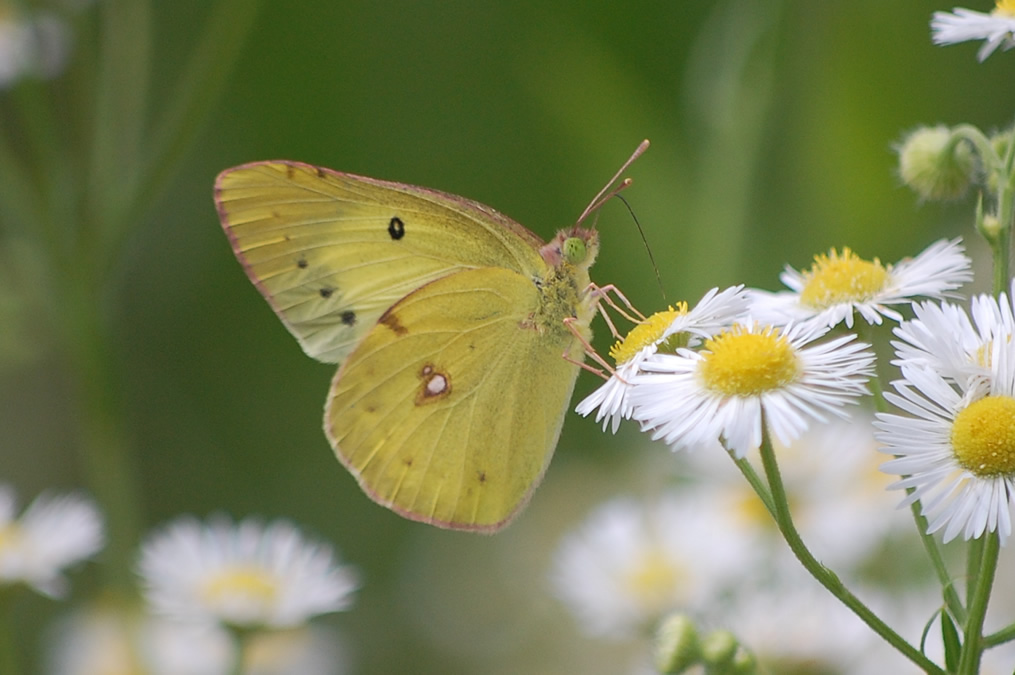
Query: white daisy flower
x: 955, y: 448
x: 839, y: 285
x: 631, y: 562
x: 743, y: 375
x: 942, y: 337
x: 245, y: 575
x: 662, y: 331
x: 962, y: 25
x: 54, y: 533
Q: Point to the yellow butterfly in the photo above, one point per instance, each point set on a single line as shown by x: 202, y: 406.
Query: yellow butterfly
x: 448, y: 319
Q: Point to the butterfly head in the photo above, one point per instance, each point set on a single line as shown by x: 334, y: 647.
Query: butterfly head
x: 576, y: 246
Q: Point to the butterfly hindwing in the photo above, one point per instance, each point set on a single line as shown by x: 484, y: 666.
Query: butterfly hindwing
x: 449, y: 410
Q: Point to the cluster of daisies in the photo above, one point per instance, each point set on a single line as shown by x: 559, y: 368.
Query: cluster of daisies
x: 744, y: 362
x: 708, y: 550
x: 205, y: 585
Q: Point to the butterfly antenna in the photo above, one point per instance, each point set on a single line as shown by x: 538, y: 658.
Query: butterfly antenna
x: 606, y: 193
x: 648, y: 249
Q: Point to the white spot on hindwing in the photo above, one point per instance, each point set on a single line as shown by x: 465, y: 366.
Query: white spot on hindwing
x: 435, y: 385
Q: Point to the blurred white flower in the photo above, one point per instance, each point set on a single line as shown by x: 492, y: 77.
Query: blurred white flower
x: 839, y: 285
x: 796, y: 626
x: 307, y: 650
x: 632, y: 562
x: 716, y: 310
x: 961, y: 25
x: 31, y: 44
x: 106, y: 640
x: 837, y: 496
x: 54, y: 533
x: 246, y: 575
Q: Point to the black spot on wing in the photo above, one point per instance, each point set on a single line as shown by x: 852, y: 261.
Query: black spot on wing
x: 396, y: 228
x: 326, y: 292
x: 302, y: 263
x: 349, y: 318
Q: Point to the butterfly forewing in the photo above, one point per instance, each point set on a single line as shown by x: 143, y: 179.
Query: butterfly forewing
x: 331, y: 251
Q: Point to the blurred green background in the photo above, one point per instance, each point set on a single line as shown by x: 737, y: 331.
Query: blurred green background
x: 772, y: 125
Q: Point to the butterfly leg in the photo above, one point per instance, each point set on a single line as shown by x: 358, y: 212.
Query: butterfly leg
x: 588, y: 350
x: 602, y: 293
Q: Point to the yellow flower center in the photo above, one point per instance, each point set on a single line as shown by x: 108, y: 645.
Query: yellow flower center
x: 836, y: 278
x: 648, y: 332
x: 653, y: 579
x: 983, y: 437
x: 740, y: 363
x: 251, y: 583
x: 11, y: 536
x: 1006, y: 7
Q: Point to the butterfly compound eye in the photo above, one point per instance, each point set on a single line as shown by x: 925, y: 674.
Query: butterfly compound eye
x: 574, y: 250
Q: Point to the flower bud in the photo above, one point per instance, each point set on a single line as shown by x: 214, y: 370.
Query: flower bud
x: 677, y: 647
x: 990, y: 227
x: 1000, y: 142
x: 722, y: 654
x: 718, y: 648
x: 935, y: 165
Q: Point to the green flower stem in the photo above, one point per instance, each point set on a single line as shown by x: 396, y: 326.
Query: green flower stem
x: 52, y: 169
x: 194, y: 96
x: 972, y: 642
x: 21, y: 202
x: 121, y: 107
x: 1001, y: 169
x: 755, y: 481
x: 105, y: 450
x: 930, y: 544
x: 10, y: 663
x: 974, y: 562
x: 984, y: 148
x: 866, y: 333
x: 241, y: 642
x: 825, y: 576
x: 933, y: 549
x: 239, y: 661
x: 1002, y: 248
